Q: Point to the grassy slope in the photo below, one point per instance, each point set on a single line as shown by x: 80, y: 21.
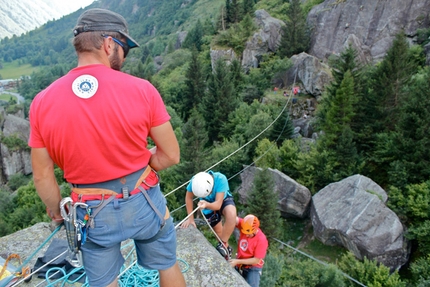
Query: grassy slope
x: 14, y: 70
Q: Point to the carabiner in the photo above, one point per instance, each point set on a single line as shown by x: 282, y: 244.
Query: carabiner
x: 66, y: 205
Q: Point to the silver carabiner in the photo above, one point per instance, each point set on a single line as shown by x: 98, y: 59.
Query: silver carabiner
x: 66, y: 205
x: 75, y: 206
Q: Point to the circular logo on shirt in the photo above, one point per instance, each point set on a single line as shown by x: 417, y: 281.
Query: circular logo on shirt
x: 243, y: 244
x: 85, y: 86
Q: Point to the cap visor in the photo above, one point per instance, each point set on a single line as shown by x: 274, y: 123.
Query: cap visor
x: 130, y: 41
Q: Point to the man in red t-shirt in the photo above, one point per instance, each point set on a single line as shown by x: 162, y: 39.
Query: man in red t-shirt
x: 251, y: 249
x: 94, y: 123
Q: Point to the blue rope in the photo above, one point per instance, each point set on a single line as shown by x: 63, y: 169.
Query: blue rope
x: 139, y: 276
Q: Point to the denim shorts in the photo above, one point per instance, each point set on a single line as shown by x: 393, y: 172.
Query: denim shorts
x: 127, y: 219
x: 252, y: 276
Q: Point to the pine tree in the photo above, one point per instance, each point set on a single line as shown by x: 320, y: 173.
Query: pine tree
x: 196, y: 84
x: 193, y: 151
x: 220, y: 100
x: 263, y: 202
x: 247, y: 7
x: 295, y: 34
x: 393, y: 73
x: 341, y: 110
x: 404, y: 156
x: 233, y: 13
x: 195, y: 37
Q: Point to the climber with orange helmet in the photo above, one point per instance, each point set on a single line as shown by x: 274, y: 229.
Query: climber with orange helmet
x: 251, y: 249
x: 215, y: 201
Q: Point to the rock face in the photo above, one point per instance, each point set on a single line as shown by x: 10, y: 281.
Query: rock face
x: 227, y: 55
x: 369, y: 25
x: 313, y: 74
x: 294, y: 198
x: 352, y: 213
x: 15, y: 160
x: 265, y: 40
x: 206, y: 267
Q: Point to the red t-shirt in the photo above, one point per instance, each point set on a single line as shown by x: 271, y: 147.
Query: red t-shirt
x: 253, y: 246
x: 95, y: 121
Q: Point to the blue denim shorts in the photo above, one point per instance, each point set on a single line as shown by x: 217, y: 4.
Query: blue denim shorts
x: 127, y: 219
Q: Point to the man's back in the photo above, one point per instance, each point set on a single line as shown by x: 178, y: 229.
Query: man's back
x: 95, y: 122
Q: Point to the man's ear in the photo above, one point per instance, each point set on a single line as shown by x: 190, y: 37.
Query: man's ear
x: 108, y: 46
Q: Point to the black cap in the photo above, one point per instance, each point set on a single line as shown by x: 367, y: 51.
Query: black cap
x: 97, y: 19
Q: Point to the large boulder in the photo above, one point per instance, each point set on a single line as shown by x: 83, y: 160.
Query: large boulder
x: 369, y: 25
x: 313, y: 74
x: 352, y: 213
x: 294, y: 198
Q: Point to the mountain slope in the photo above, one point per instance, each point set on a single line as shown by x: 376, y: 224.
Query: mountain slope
x: 17, y: 17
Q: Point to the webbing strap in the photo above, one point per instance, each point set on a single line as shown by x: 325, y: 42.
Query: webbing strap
x: 163, y: 220
x: 99, y: 207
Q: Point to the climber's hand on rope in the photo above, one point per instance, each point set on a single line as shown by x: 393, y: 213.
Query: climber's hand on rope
x: 56, y: 219
x: 203, y: 204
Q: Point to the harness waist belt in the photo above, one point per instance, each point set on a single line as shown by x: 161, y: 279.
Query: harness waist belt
x: 120, y: 188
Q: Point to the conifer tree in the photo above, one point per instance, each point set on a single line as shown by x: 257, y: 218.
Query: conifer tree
x: 248, y: 7
x: 341, y: 110
x: 195, y: 86
x: 263, y: 202
x: 220, y: 100
x: 404, y: 153
x: 193, y: 151
x: 233, y: 13
x: 295, y: 34
x: 194, y: 38
x: 391, y: 76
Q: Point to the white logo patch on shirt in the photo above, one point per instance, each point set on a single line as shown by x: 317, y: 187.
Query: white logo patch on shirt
x: 85, y: 86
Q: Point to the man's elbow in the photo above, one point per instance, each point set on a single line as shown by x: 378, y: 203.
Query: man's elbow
x: 174, y: 159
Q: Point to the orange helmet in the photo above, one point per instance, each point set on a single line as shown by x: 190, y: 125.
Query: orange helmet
x: 250, y: 224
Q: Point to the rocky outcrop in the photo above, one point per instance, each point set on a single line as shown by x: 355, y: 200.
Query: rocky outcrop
x: 294, y: 198
x: 310, y: 72
x: 228, y: 55
x: 265, y: 40
x: 15, y: 158
x: 369, y: 25
x: 352, y: 213
x: 206, y: 267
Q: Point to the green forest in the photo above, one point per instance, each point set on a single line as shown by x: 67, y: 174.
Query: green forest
x: 374, y: 121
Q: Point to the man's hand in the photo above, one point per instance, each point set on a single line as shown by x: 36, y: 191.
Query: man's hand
x: 202, y: 204
x: 187, y: 223
x: 233, y: 262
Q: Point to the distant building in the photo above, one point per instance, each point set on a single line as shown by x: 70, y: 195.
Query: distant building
x: 8, y: 84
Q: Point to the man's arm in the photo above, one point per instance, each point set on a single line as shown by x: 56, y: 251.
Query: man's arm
x: 189, y: 205
x: 166, y: 151
x: 248, y: 261
x: 45, y: 182
x: 216, y: 205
